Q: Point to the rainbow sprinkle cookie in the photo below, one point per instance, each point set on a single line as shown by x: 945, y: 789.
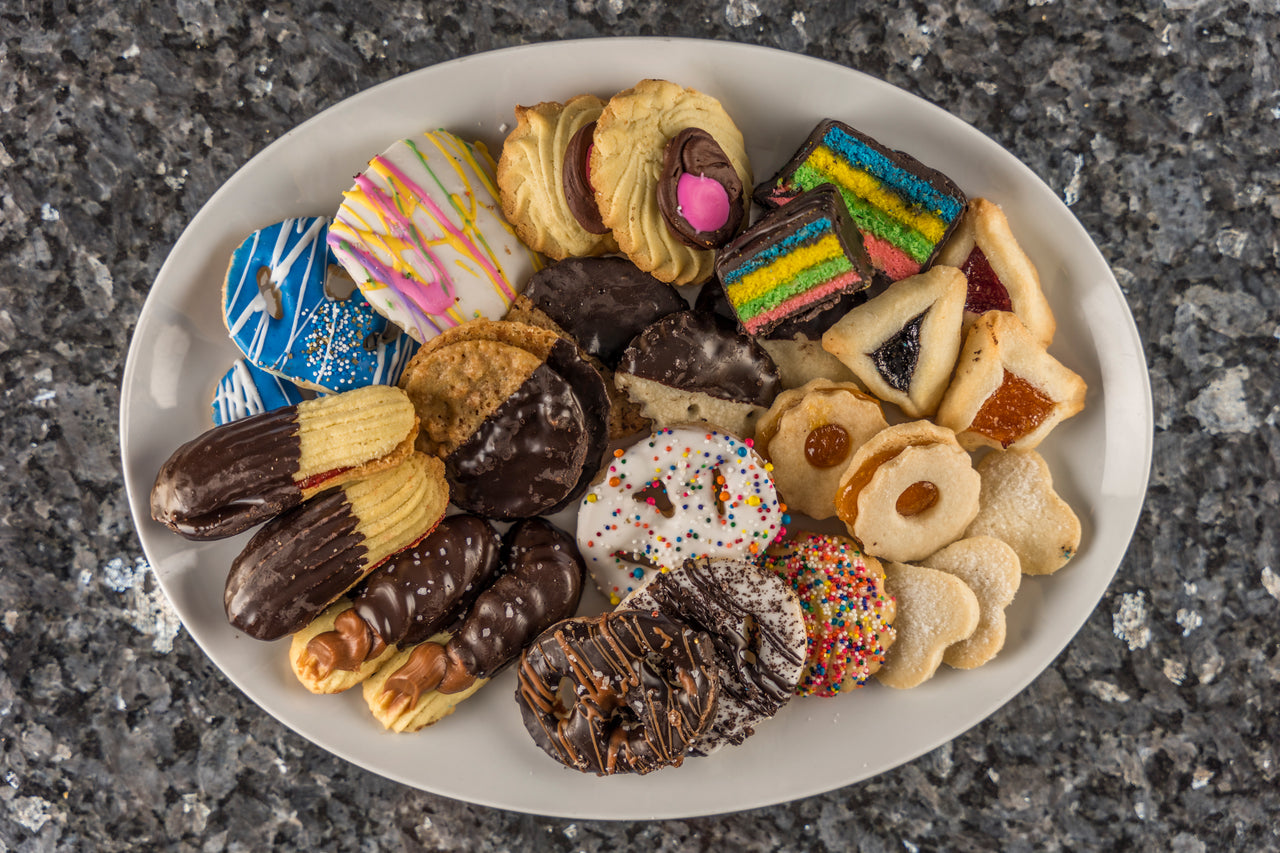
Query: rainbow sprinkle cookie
x: 293, y: 311
x: 847, y: 613
x: 681, y: 493
x: 422, y: 234
x: 904, y: 209
x: 794, y: 263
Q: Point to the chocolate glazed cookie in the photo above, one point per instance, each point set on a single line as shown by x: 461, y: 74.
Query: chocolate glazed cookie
x: 644, y: 687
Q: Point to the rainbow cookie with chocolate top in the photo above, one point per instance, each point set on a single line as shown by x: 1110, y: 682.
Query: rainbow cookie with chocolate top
x: 237, y: 475
x: 904, y: 209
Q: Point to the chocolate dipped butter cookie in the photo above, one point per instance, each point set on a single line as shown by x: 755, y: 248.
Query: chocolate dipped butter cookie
x: 669, y: 169
x: 240, y: 474
x: 642, y: 689
x: 690, y: 367
x: 543, y: 182
x: 304, y: 559
x: 517, y: 413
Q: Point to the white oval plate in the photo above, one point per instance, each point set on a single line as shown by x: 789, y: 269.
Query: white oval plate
x: 482, y: 753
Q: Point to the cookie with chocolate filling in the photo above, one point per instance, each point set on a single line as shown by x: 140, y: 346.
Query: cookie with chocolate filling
x: 543, y: 182
x: 517, y: 413
x: 691, y: 367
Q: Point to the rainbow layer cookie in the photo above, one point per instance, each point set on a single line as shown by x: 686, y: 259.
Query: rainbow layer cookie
x: 904, y: 209
x: 794, y: 263
x: 293, y: 311
x: 423, y: 235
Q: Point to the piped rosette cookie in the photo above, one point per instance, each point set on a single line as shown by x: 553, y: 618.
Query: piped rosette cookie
x: 518, y: 414
x: 304, y: 559
x: 240, y: 474
x: 541, y: 586
x: 757, y: 635
x: 682, y: 492
x: 418, y: 593
x: 848, y: 616
x: 423, y: 235
x: 294, y: 311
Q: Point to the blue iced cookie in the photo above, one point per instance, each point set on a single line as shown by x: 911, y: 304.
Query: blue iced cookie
x: 246, y: 390
x: 294, y: 311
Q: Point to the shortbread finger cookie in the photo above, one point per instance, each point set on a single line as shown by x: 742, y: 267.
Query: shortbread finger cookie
x: 904, y: 209
x: 517, y: 413
x: 991, y: 569
x: 237, y: 475
x: 809, y: 435
x: 935, y: 610
x: 301, y: 561
x: 1019, y: 506
x: 423, y: 235
x: 396, y: 700
x: 903, y: 343
x: 294, y: 311
x: 628, y: 167
x: 848, y: 616
x: 757, y: 630
x: 1001, y: 277
x: 909, y: 491
x: 360, y: 654
x: 1007, y: 392
x: 542, y: 179
x: 681, y: 493
x: 690, y: 367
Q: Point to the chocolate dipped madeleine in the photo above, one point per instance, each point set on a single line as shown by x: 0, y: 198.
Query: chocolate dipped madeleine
x: 305, y: 558
x: 415, y: 595
x: 235, y: 476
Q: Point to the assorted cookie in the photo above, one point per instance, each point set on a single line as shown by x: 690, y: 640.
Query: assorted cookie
x: 854, y: 289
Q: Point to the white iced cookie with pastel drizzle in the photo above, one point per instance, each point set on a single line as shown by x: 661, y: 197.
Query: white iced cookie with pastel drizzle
x: 680, y: 493
x: 423, y: 235
x: 293, y: 311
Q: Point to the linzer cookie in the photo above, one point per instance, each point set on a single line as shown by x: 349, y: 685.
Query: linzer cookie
x: 418, y: 593
x: 542, y: 586
x: 237, y: 475
x: 662, y: 210
x: 644, y: 688
x: 909, y: 491
x: 1000, y: 275
x: 1007, y: 392
x: 757, y: 633
x: 681, y: 493
x: 542, y: 179
x: 904, y: 209
x: 690, y: 367
x: 517, y: 413
x: 246, y: 390
x: 796, y: 262
x: 809, y: 435
x: 301, y: 561
x: 423, y: 236
x: 902, y: 344
x: 294, y: 311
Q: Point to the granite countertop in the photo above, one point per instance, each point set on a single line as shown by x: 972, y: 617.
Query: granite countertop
x: 1156, y: 123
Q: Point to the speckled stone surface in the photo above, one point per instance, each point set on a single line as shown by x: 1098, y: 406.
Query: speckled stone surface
x: 1156, y: 122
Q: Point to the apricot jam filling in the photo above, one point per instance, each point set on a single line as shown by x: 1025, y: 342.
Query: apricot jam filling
x: 1015, y: 408
x: 827, y: 446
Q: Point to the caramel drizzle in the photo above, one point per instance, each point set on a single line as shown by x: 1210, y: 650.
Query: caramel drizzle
x: 350, y: 644
x: 430, y: 666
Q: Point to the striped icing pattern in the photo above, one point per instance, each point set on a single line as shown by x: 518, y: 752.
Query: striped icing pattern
x: 246, y: 390
x: 423, y: 235
x: 318, y: 341
x: 806, y: 266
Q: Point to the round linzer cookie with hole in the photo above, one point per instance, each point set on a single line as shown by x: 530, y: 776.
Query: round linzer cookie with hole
x: 518, y: 414
x: 240, y: 474
x: 680, y: 493
x: 295, y: 312
x: 908, y: 492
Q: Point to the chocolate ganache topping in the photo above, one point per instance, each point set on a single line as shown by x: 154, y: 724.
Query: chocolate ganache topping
x: 703, y: 353
x: 644, y: 687
x: 231, y: 477
x: 700, y: 194
x: 602, y: 303
x: 576, y: 181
